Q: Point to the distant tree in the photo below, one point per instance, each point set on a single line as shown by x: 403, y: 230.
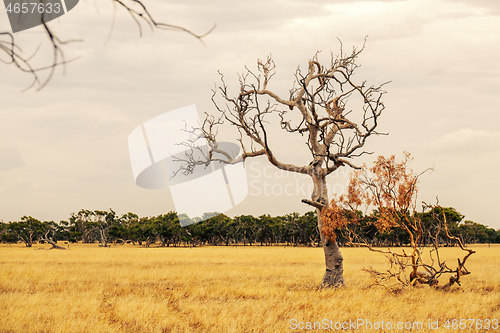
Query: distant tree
x: 48, y: 234
x: 453, y: 219
x: 263, y: 224
x: 62, y: 231
x: 231, y: 232
x: 492, y: 235
x: 7, y: 235
x: 143, y: 231
x: 209, y: 231
x: 308, y: 230
x: 83, y: 226
x: 104, y: 221
x: 476, y: 233
x: 167, y: 228
x: 185, y: 220
x: 248, y: 229
x: 121, y: 230
x: 222, y: 228
x: 28, y: 229
x: 91, y: 226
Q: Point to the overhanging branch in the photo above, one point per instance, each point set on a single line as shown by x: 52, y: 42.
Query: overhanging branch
x: 13, y: 53
x: 315, y: 204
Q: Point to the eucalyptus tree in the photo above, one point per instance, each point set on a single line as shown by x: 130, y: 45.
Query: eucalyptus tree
x: 333, y: 112
x: 29, y: 229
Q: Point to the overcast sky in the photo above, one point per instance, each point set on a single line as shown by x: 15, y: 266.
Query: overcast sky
x: 65, y: 148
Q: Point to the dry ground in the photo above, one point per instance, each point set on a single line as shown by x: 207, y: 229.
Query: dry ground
x: 223, y: 289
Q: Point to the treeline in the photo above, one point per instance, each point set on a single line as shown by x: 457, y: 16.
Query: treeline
x: 106, y: 227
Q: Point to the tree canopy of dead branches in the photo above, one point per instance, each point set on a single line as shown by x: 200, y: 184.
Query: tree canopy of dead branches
x: 320, y: 98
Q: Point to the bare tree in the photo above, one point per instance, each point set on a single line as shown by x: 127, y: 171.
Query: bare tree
x: 13, y: 54
x: 48, y: 236
x: 317, y: 108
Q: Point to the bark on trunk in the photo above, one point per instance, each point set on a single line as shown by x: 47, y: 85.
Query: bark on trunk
x: 27, y: 242
x: 54, y: 245
x: 49, y: 240
x: 104, y: 239
x: 334, y: 272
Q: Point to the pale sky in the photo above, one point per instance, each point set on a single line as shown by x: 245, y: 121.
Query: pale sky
x: 65, y: 148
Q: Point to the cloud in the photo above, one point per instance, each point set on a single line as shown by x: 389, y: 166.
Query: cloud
x: 10, y: 158
x: 466, y: 142
x: 491, y: 5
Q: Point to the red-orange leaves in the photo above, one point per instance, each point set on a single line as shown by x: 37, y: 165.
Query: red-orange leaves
x: 333, y: 218
x: 389, y: 187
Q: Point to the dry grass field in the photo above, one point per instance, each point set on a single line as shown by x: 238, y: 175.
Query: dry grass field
x: 225, y: 289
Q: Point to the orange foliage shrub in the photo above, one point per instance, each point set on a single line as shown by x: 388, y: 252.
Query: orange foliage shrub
x: 388, y: 186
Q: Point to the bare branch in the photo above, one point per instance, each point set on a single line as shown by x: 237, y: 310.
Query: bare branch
x: 315, y: 204
x: 14, y: 55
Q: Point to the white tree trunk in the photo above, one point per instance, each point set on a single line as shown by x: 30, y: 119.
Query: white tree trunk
x: 334, y: 273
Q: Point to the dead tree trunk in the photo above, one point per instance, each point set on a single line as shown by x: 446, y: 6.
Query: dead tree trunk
x: 49, y: 240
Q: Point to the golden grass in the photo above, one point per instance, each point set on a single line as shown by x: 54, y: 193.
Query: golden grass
x: 220, y: 289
